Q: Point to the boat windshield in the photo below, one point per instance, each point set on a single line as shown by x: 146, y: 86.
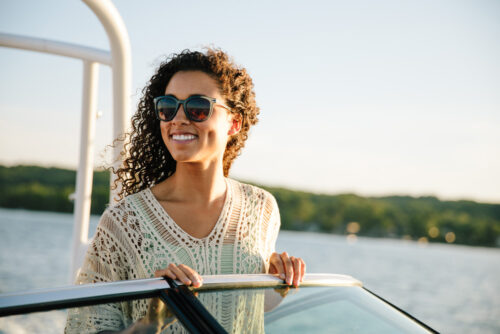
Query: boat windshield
x: 306, y: 310
x: 325, y: 309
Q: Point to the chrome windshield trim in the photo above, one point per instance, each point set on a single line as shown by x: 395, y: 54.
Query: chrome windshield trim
x: 78, y: 295
x: 88, y: 294
x: 266, y: 280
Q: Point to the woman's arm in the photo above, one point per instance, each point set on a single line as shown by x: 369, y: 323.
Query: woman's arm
x: 289, y: 268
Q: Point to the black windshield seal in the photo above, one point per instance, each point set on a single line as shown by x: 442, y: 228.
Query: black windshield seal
x: 402, y: 311
x: 188, y: 309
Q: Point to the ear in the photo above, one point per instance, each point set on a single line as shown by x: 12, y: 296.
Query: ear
x: 235, y: 122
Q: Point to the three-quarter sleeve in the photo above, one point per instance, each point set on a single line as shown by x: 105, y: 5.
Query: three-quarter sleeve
x: 273, y: 222
x: 104, y: 262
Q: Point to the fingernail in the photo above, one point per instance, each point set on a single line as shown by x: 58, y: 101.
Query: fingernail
x: 282, y: 276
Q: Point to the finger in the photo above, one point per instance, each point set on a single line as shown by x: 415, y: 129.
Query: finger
x: 288, y: 267
x: 272, y: 267
x: 303, y: 270
x: 161, y: 272
x: 192, y: 275
x: 165, y: 272
x: 178, y: 273
x: 277, y: 265
x: 296, y: 270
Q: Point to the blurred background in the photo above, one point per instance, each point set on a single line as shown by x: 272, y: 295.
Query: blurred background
x: 385, y: 97
x: 378, y: 119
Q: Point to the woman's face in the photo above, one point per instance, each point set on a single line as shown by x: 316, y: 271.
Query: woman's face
x: 197, y: 142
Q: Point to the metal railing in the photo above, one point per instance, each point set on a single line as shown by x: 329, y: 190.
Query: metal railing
x: 87, y: 294
x: 119, y: 59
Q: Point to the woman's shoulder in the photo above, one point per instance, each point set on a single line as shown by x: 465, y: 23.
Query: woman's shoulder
x: 127, y: 205
x: 121, y: 220
x: 253, y: 192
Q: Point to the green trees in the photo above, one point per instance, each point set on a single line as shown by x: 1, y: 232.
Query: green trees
x: 422, y: 218
x: 47, y: 189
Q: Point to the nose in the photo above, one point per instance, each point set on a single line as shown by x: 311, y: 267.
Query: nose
x: 180, y: 116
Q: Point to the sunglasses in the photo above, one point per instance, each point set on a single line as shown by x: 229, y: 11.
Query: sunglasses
x: 198, y: 108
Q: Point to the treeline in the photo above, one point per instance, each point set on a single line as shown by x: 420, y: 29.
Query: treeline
x: 422, y: 218
x: 48, y: 189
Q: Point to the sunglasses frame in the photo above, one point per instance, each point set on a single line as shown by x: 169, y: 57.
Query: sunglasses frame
x: 212, y: 100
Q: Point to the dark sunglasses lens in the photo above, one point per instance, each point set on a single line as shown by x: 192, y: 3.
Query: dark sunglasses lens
x: 198, y: 109
x: 166, y: 108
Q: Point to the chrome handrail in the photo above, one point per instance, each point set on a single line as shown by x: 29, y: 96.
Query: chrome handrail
x: 87, y: 294
x: 211, y: 282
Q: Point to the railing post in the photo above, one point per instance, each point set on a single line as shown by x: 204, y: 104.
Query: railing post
x: 119, y: 41
x: 120, y: 61
x: 85, y: 171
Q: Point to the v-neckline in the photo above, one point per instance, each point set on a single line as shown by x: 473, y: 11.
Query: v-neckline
x: 168, y: 219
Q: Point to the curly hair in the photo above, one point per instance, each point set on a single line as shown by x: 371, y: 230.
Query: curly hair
x: 147, y: 160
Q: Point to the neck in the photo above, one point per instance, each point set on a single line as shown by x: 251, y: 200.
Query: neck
x: 194, y: 182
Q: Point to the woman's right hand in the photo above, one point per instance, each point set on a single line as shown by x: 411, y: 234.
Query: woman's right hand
x: 181, y: 273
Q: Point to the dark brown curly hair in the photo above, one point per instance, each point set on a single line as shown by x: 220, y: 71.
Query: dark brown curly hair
x: 147, y: 160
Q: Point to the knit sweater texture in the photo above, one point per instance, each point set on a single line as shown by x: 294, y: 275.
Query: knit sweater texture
x: 136, y: 237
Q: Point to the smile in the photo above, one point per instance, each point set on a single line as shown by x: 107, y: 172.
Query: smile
x: 183, y: 137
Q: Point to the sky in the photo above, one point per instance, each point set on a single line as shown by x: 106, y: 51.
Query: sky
x: 369, y: 97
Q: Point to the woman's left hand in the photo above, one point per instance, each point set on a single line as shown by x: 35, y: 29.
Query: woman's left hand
x: 289, y: 268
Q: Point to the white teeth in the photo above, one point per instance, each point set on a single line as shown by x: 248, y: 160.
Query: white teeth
x: 183, y: 137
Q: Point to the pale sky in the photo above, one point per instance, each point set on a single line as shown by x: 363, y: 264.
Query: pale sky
x: 371, y: 97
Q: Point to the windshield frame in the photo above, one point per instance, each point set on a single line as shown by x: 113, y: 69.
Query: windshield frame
x: 100, y: 293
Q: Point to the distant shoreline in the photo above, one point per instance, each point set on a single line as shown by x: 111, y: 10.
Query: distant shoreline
x: 292, y: 232
x: 423, y: 219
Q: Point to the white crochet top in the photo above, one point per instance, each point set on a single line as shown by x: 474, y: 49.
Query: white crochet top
x: 136, y: 237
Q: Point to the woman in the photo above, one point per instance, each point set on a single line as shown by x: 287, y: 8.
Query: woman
x: 179, y: 215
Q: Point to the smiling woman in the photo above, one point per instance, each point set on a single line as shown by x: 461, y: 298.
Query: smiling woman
x: 179, y: 215
x: 204, y: 140
x: 150, y: 161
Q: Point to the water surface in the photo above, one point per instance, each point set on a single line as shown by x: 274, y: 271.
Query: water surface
x: 454, y: 289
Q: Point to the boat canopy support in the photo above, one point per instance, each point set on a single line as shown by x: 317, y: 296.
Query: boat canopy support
x: 119, y: 59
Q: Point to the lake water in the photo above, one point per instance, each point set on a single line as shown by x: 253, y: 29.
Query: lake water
x: 454, y: 289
